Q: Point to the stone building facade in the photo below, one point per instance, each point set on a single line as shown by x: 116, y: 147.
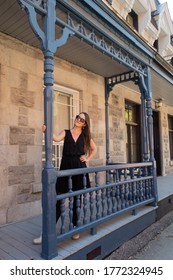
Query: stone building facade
x: 21, y: 118
x: 20, y: 122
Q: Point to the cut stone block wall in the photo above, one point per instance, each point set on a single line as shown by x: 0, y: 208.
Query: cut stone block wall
x: 21, y: 118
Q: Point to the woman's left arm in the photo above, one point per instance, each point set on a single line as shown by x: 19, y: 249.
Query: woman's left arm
x: 92, y: 152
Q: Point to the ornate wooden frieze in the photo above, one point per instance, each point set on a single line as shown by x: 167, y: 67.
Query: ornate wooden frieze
x: 100, y: 40
x: 121, y: 78
x: 72, y: 23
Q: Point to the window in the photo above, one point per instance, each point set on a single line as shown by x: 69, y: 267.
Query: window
x: 133, y: 142
x: 156, y: 45
x: 109, y: 1
x: 132, y: 19
x: 170, y: 128
x: 66, y: 106
x: 171, y: 40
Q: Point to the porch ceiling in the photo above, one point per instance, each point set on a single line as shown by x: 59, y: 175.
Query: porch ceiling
x: 82, y: 54
x: 14, y: 22
x: 161, y: 89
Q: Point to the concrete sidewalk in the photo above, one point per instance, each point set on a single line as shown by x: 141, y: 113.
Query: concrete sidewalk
x: 161, y: 248
x: 154, y: 243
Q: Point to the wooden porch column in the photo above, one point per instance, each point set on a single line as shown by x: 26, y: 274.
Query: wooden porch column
x: 49, y: 241
x: 49, y: 44
x: 150, y: 132
x: 149, y: 114
x: 147, y: 126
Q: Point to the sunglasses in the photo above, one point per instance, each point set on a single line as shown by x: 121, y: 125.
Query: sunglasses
x: 80, y: 119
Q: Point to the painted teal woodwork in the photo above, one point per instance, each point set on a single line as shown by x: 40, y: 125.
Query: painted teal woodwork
x: 127, y: 186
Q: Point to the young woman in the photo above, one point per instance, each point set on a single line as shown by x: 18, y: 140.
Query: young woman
x: 78, y: 149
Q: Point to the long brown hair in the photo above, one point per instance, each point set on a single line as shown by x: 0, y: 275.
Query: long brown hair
x: 86, y: 132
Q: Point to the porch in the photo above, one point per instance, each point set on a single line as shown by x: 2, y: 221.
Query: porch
x: 16, y: 238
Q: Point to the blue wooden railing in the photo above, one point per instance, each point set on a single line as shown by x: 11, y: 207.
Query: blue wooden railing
x: 125, y: 188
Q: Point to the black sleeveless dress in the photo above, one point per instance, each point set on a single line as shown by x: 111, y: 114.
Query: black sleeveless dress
x: 72, y: 150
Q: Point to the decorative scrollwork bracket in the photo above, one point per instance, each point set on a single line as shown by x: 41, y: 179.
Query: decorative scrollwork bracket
x: 46, y: 34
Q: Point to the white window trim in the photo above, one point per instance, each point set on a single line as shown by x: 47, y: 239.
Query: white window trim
x: 77, y: 108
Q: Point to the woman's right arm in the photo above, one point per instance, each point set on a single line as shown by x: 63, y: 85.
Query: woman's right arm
x: 59, y: 137
x: 56, y: 138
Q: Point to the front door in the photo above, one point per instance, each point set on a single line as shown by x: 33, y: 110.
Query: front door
x: 133, y: 143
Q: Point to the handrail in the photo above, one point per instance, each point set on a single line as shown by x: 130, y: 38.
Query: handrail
x: 79, y: 171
